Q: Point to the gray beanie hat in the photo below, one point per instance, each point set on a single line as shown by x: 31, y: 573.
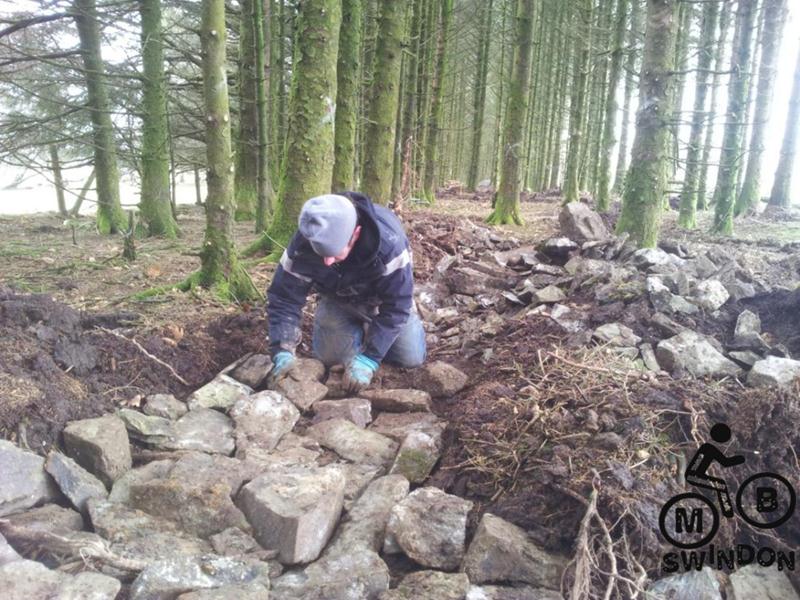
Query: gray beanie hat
x: 328, y: 222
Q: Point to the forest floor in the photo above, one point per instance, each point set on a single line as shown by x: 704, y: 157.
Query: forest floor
x: 63, y: 300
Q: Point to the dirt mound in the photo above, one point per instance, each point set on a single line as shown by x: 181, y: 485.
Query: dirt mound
x: 57, y: 364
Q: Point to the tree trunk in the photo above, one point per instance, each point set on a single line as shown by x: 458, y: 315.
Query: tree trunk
x: 506, y: 208
x: 58, y: 183
x: 479, y: 93
x: 719, y: 60
x: 264, y: 191
x: 220, y: 269
x: 409, y: 120
x: 110, y: 217
x: 583, y: 18
x: 155, y: 206
x: 630, y: 72
x: 246, y: 179
x: 611, y: 107
x: 307, y: 166
x: 687, y: 13
x: 705, y: 50
x: 379, y: 143
x: 432, y: 141
x: 724, y: 194
x: 782, y: 185
x: 347, y: 87
x: 76, y: 208
x: 774, y: 18
x: 645, y: 184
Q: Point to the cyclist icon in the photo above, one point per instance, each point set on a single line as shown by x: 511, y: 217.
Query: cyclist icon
x: 706, y: 455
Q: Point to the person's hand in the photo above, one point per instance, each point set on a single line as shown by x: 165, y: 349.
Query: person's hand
x: 359, y: 372
x: 282, y: 363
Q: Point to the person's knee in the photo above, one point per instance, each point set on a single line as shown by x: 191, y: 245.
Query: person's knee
x: 411, y: 358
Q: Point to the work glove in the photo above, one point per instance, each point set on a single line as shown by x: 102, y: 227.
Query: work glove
x: 359, y: 372
x: 282, y: 363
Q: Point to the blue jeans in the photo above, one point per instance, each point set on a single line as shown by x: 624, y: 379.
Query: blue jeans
x: 339, y: 336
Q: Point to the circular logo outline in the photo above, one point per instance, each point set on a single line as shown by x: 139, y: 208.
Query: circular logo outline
x: 772, y: 524
x: 662, y: 517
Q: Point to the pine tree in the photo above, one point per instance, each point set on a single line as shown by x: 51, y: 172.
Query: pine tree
x: 780, y: 197
x: 347, y: 96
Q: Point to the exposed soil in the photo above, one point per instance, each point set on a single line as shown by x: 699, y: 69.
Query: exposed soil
x: 541, y: 425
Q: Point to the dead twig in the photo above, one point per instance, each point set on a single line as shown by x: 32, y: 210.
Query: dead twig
x: 146, y: 353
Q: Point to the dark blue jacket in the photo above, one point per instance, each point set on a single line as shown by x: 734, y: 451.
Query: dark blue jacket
x: 376, y: 273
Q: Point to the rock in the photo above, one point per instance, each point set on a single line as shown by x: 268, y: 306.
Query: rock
x: 233, y: 542
x: 663, y: 300
x: 548, y: 295
x: 580, y: 223
x: 253, y: 371
x: 208, y: 469
x: 692, y: 585
x: 692, y: 352
x: 356, y: 574
x: 221, y: 392
x: 558, y: 248
x: 310, y: 368
x: 417, y: 456
x: 739, y: 290
x: 23, y: 480
x: 755, y: 581
x: 136, y: 534
x: 353, y: 443
x: 356, y: 410
x: 100, y: 446
x: 616, y: 334
x: 165, y: 406
x: 7, y: 553
x: 430, y: 526
x: 156, y: 431
x: 262, y: 419
x: 300, y: 391
x: 75, y: 482
x: 398, y: 400
x: 244, y: 591
x: 430, y: 584
x: 165, y: 579
x: 502, y: 552
x: 205, y: 430
x: 397, y: 426
x: 29, y: 580
x: 774, y: 371
x: 704, y: 266
x: 152, y: 470
x: 746, y: 358
x: 711, y: 294
x: 200, y: 508
x: 440, y: 379
x: 748, y: 330
x: 497, y: 592
x: 649, y: 357
x: 19, y: 529
x: 357, y: 478
x: 294, y: 510
x: 645, y: 258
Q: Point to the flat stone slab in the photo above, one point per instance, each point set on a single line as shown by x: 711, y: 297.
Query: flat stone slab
x: 501, y: 552
x: 295, y: 510
x: 301, y: 390
x: 616, y: 334
x: 205, y: 430
x: 353, y: 443
x: 30, y: 530
x: 166, y: 579
x: 262, y: 419
x: 439, y: 379
x: 253, y: 371
x: 355, y: 410
x: 23, y: 480
x: 221, y: 392
x: 358, y: 476
x: 399, y: 400
x: 29, y: 580
x: 774, y: 371
x: 694, y: 354
x: 418, y: 454
x: 430, y: 584
x: 430, y: 527
x: 75, y: 482
x: 101, y: 446
x: 121, y: 491
x: 691, y: 585
x: 755, y: 581
x: 397, y: 426
x: 148, y: 429
x: 164, y: 405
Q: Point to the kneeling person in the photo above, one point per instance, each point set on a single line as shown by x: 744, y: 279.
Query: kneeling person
x: 357, y: 256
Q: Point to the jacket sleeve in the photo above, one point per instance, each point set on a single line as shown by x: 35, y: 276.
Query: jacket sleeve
x: 286, y: 297
x: 396, y: 292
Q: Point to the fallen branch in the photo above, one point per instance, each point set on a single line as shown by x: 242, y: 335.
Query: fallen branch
x: 146, y: 353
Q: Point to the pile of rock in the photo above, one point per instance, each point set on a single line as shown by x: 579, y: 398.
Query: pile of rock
x: 472, y: 295
x: 281, y: 493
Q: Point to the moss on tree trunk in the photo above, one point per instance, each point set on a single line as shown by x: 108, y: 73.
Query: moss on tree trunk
x: 246, y: 179
x: 645, y: 185
x: 506, y: 208
x: 347, y: 87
